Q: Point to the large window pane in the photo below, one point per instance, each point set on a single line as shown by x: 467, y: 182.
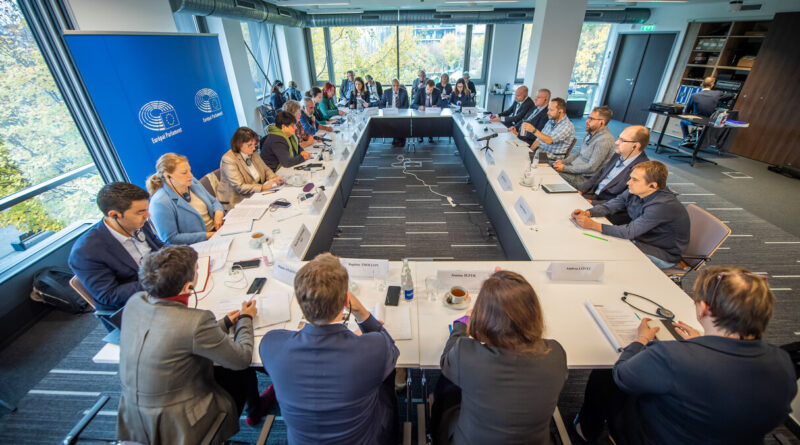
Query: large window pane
x: 320, y: 55
x: 476, y: 51
x: 38, y: 141
x: 523, y: 50
x: 262, y: 55
x: 589, y: 62
x: 365, y: 50
x: 435, y: 48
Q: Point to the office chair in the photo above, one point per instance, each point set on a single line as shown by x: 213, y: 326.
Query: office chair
x: 571, y: 146
x: 706, y: 234
x: 104, y: 316
x: 210, y: 182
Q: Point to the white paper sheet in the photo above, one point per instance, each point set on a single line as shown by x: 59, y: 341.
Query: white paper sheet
x: 251, y: 211
x: 617, y: 321
x: 216, y: 248
x: 235, y: 226
x: 396, y: 319
x: 273, y: 308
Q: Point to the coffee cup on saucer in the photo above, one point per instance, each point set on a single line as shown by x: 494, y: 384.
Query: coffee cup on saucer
x: 456, y: 295
x: 528, y: 178
x: 257, y: 239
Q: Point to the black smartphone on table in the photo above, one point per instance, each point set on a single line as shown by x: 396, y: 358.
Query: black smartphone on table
x: 257, y: 285
x: 392, y: 295
x: 247, y: 264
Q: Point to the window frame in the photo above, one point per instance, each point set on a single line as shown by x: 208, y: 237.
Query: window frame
x: 521, y: 80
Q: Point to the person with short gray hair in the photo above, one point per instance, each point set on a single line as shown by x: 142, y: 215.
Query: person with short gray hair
x: 308, y: 119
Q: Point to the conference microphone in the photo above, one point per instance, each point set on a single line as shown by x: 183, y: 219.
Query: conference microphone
x: 322, y: 139
x: 486, y: 138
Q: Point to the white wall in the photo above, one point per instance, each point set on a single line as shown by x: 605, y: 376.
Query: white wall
x: 292, y: 52
x: 122, y: 15
x: 503, y: 62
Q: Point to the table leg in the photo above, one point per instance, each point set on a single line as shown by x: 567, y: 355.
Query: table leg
x: 694, y: 156
x: 661, y: 136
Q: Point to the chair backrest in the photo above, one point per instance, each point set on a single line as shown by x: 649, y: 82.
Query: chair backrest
x: 76, y: 284
x: 210, y: 182
x: 571, y: 146
x: 706, y: 234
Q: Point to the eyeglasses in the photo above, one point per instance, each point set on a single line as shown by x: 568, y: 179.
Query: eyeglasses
x: 625, y: 140
x: 722, y: 275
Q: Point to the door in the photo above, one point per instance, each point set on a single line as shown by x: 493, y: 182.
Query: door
x: 638, y: 69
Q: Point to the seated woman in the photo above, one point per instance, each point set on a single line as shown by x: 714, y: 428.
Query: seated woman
x: 722, y: 387
x: 181, y: 209
x: 171, y: 391
x: 315, y: 93
x: 462, y: 96
x: 276, y: 98
x: 280, y: 147
x: 359, y: 97
x: 509, y: 376
x: 445, y: 89
x: 241, y: 173
x: 305, y: 140
x: 327, y: 105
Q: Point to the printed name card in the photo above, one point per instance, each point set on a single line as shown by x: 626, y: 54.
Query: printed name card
x: 563, y: 271
x: 489, y: 157
x: 345, y: 154
x: 471, y: 280
x: 300, y: 241
x: 363, y: 268
x: 332, y: 177
x: 505, y: 181
x: 355, y: 137
x: 372, y: 111
x: 469, y: 111
x: 390, y: 110
x: 318, y: 204
x: 525, y: 212
x: 284, y: 272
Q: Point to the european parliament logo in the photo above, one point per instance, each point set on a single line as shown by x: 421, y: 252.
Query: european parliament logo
x: 207, y: 100
x: 158, y: 115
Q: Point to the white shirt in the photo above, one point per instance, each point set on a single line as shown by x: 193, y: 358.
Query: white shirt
x: 135, y: 248
x: 251, y: 168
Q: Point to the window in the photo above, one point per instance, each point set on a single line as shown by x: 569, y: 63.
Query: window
x: 525, y: 43
x: 589, y: 62
x: 319, y: 52
x: 262, y: 55
x: 435, y: 48
x: 47, y: 178
x: 365, y: 50
x: 476, y: 50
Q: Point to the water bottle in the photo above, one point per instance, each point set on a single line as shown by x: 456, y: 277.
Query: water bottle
x: 266, y: 252
x: 406, y: 282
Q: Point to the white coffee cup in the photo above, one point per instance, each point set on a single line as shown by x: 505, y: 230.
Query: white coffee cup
x: 326, y: 155
x: 456, y: 295
x: 528, y: 178
x: 257, y: 239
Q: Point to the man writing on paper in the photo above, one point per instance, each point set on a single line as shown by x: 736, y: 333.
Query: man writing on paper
x: 659, y: 223
x: 518, y: 110
x: 537, y: 117
x: 596, y: 149
x: 558, y: 132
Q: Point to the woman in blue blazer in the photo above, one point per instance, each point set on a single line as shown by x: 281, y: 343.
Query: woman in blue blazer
x: 181, y: 209
x: 461, y: 96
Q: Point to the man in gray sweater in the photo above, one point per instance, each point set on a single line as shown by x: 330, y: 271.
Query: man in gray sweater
x: 595, y: 151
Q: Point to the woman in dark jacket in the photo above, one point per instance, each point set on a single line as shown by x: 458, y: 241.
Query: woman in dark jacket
x: 359, y: 92
x: 461, y: 96
x: 276, y: 99
x: 280, y: 148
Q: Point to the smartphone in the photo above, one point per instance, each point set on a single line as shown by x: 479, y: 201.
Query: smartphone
x: 280, y: 203
x: 248, y: 264
x: 392, y: 295
x: 257, y: 285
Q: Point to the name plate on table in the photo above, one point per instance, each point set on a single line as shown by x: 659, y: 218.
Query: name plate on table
x: 525, y: 212
x: 284, y: 272
x: 469, y: 111
x: 300, y: 241
x: 489, y: 157
x: 318, y: 205
x: 561, y: 271
x: 371, y: 111
x: 433, y: 110
x: 505, y: 181
x: 345, y: 154
x: 472, y: 280
x: 355, y: 137
x: 332, y: 177
x: 363, y: 268
x: 390, y: 110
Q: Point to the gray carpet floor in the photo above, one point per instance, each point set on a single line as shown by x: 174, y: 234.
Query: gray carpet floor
x: 56, y: 401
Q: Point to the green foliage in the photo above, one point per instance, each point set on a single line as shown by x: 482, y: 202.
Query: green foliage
x: 589, y: 58
x: 26, y: 216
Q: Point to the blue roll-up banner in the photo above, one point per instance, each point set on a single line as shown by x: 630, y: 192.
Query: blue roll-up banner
x: 158, y: 93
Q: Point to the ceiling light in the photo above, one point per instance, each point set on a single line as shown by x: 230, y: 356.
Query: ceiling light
x: 464, y: 9
x: 335, y: 11
x: 315, y: 3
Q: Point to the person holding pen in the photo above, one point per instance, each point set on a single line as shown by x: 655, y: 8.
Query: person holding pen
x: 659, y: 222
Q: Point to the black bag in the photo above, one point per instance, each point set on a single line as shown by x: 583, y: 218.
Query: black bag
x: 51, y: 286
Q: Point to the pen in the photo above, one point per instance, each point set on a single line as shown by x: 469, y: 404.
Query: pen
x: 450, y: 327
x: 595, y: 236
x: 637, y: 316
x: 269, y: 192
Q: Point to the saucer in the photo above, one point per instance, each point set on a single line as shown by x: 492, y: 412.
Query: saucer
x: 525, y: 185
x: 460, y: 306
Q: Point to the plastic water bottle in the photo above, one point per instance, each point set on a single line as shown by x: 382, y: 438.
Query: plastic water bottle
x: 406, y: 282
x: 266, y: 252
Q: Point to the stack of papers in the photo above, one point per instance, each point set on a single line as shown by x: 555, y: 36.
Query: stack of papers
x: 396, y: 319
x: 617, y: 321
x: 216, y: 249
x: 273, y: 308
x: 242, y: 213
x: 235, y: 226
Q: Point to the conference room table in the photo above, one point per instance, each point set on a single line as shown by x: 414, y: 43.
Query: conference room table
x: 534, y: 238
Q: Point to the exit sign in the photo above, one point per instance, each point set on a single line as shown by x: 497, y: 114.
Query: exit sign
x: 648, y: 28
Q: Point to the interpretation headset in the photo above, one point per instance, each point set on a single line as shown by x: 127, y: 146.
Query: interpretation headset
x: 661, y: 311
x: 186, y: 196
x: 137, y: 234
x: 191, y: 288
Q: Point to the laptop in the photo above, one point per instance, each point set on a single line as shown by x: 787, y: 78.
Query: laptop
x: 558, y: 188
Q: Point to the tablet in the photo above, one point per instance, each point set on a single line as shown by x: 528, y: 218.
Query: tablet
x: 558, y: 188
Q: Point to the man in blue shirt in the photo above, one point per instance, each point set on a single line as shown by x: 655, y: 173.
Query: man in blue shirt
x: 333, y: 386
x: 659, y: 222
x: 556, y: 137
x: 307, y: 119
x: 703, y: 103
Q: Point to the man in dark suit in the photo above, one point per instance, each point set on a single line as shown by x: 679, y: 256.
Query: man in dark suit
x: 419, y: 83
x: 333, y: 386
x: 611, y: 180
x: 427, y: 97
x: 536, y: 117
x: 395, y: 97
x: 703, y: 103
x: 106, y: 258
x: 518, y: 110
x: 348, y: 83
x: 375, y: 89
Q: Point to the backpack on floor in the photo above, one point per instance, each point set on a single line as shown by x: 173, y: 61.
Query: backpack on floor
x: 51, y: 286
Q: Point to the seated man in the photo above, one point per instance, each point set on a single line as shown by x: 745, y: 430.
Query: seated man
x: 537, y: 117
x: 558, y: 132
x: 702, y: 103
x: 348, y: 83
x: 419, y: 83
x: 427, y: 97
x: 595, y: 151
x: 518, y: 110
x: 292, y: 93
x: 659, y: 222
x: 308, y: 120
x: 107, y: 257
x: 395, y: 97
x: 332, y: 385
x: 375, y: 89
x: 281, y: 148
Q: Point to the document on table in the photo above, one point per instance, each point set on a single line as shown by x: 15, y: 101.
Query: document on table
x: 235, y: 226
x: 203, y: 271
x: 284, y: 214
x: 617, y: 321
x: 216, y: 249
x: 273, y: 307
x: 243, y: 213
x: 396, y: 319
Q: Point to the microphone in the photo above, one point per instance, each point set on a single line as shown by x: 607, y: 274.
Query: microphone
x: 322, y: 139
x: 486, y: 138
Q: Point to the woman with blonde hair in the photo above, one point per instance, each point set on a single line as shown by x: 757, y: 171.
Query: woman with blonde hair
x: 303, y: 139
x: 181, y: 209
x: 499, y: 368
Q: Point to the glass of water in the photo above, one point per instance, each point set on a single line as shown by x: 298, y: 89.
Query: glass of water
x: 380, y: 281
x: 432, y: 288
